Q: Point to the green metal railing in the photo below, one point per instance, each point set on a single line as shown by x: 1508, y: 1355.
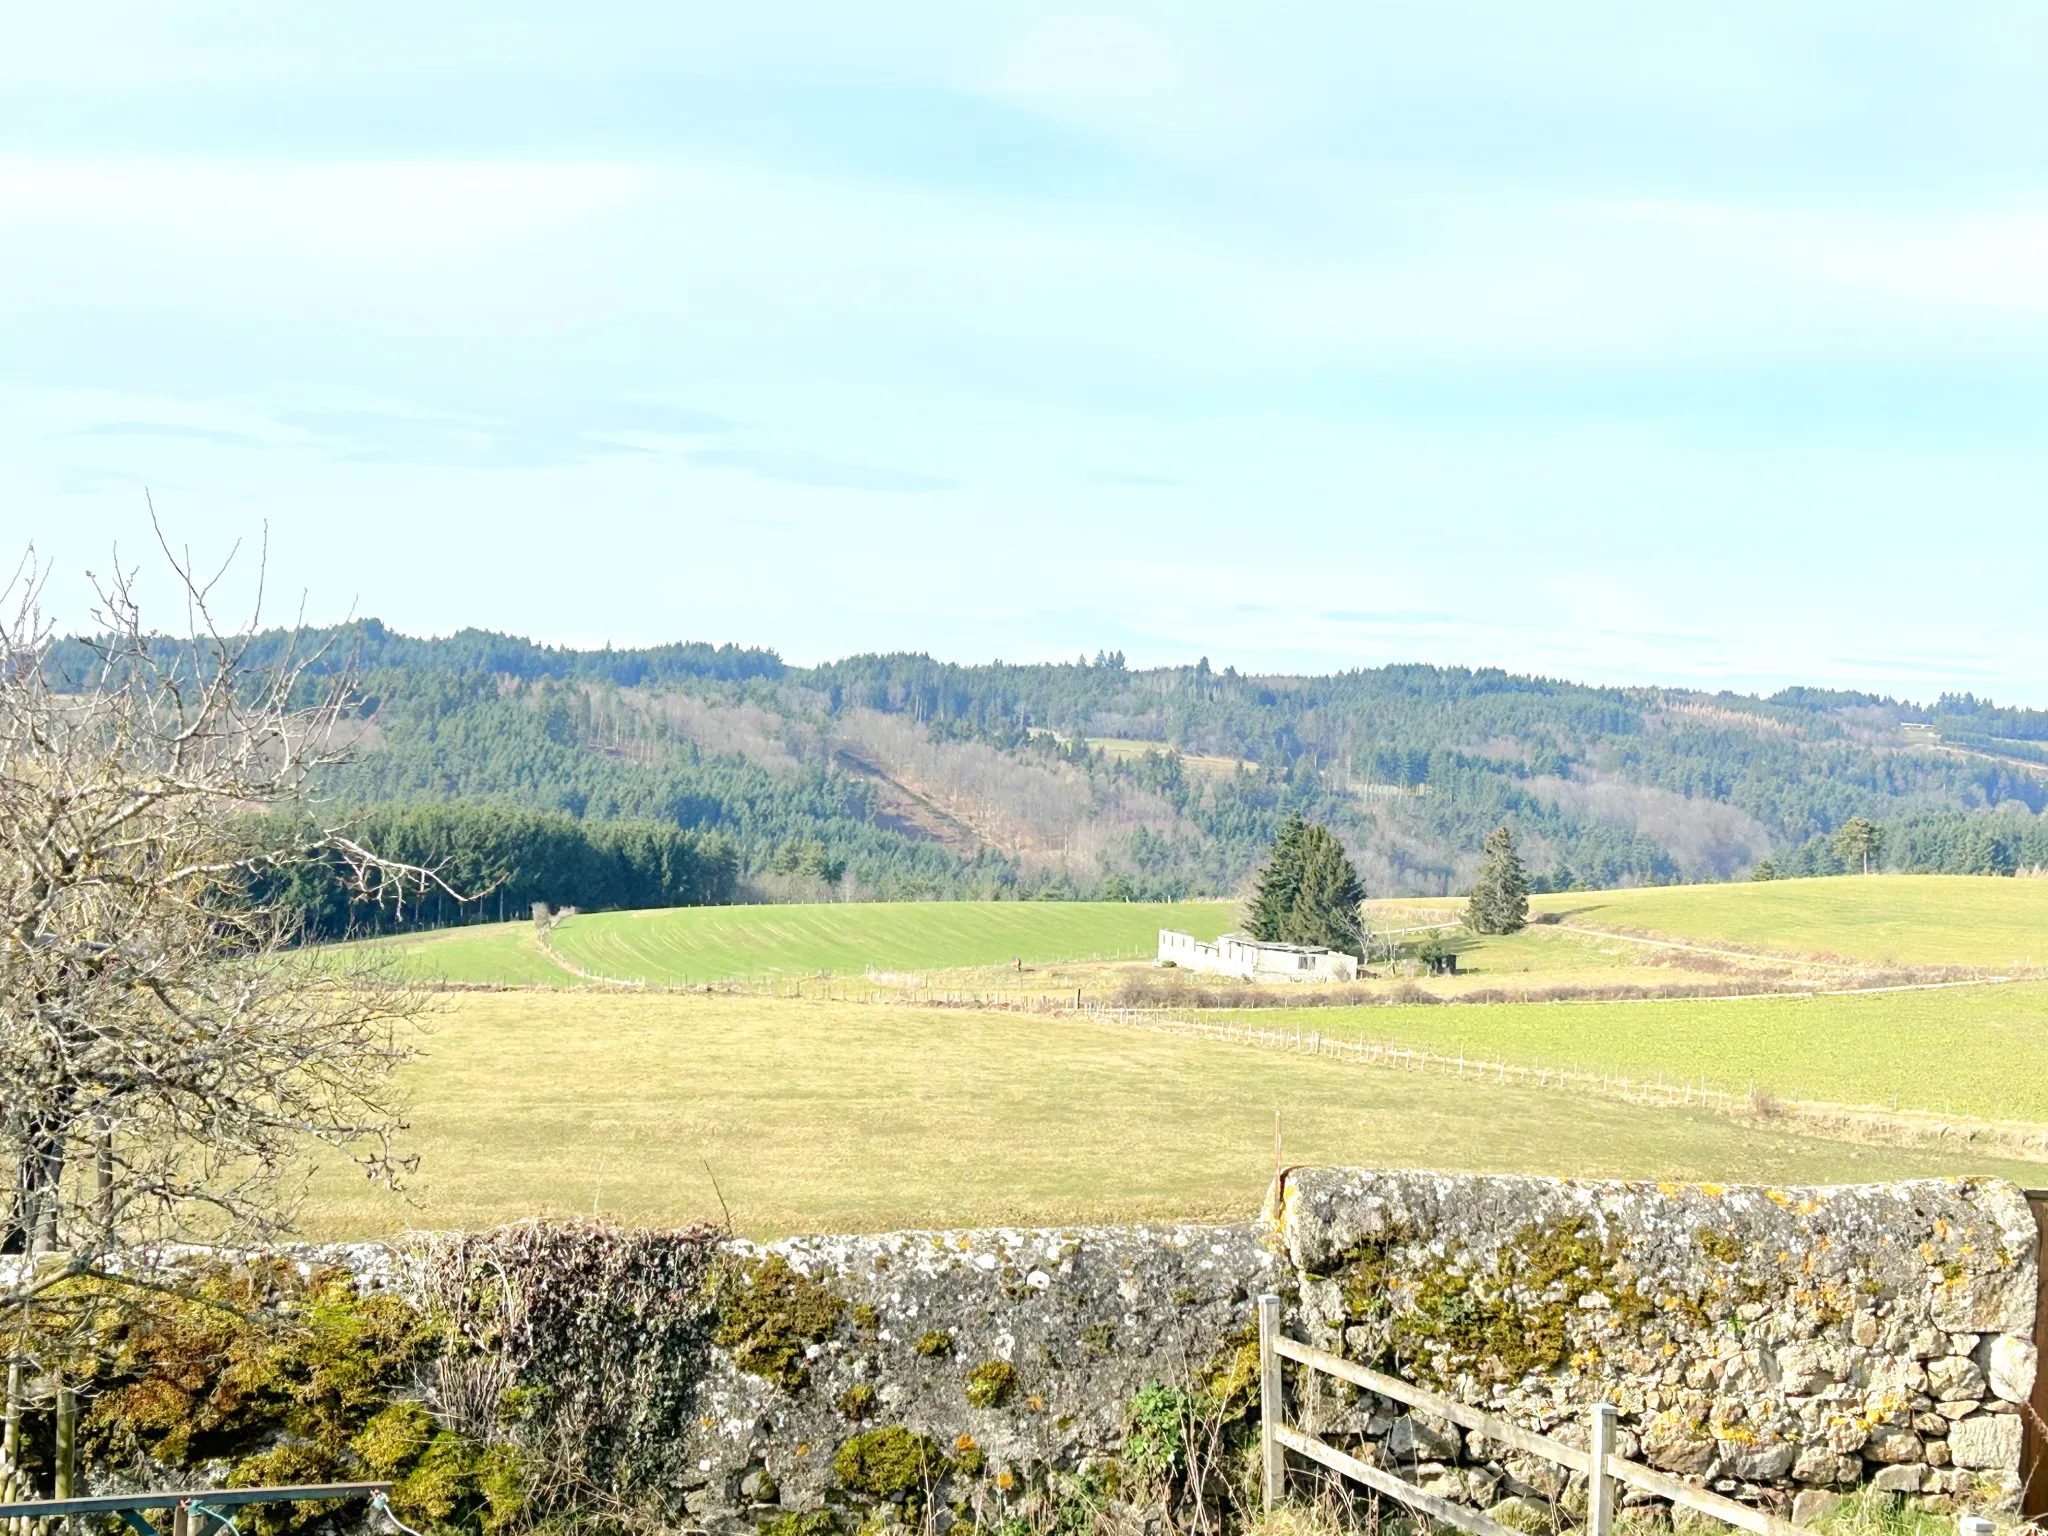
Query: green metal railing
x: 190, y: 1510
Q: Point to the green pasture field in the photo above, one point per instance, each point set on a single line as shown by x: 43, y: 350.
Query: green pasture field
x: 821, y: 1116
x: 1978, y: 1050
x: 677, y: 945
x: 491, y: 954
x: 844, y: 938
x: 1977, y: 920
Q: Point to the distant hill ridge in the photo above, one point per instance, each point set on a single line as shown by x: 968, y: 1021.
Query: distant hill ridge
x: 904, y: 776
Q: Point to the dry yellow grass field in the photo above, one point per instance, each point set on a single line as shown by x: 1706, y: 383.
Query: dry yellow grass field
x: 816, y: 1115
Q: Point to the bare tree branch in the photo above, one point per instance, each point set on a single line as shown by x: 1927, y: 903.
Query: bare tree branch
x: 168, y: 1056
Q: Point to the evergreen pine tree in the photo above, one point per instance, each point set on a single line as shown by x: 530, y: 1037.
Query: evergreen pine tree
x: 1499, y: 902
x: 1278, y: 880
x: 1307, y: 893
x: 1326, y: 896
x: 1856, y: 841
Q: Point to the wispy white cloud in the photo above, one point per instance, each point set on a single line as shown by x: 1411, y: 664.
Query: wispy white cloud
x: 815, y: 470
x: 1571, y: 339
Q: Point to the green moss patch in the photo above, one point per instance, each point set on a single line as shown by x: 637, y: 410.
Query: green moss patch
x: 811, y: 1522
x: 890, y: 1463
x: 991, y: 1383
x: 287, y: 1379
x: 1448, y: 1316
x: 1725, y: 1246
x: 768, y: 1314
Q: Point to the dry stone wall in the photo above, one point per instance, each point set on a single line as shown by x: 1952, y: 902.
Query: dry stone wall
x: 1781, y: 1345
x: 957, y: 1370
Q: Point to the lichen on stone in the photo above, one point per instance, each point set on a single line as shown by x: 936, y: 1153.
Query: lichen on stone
x: 1442, y: 1316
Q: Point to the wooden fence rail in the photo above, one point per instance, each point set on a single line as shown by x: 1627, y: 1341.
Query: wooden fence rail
x: 1601, y: 1467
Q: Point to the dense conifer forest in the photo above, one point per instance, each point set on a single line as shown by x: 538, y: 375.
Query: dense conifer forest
x: 692, y: 772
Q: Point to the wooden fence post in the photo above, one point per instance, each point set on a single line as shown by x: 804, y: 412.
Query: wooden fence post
x: 1271, y: 1414
x: 1600, y: 1487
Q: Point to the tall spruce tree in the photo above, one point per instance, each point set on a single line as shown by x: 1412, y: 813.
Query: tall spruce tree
x: 1277, y: 883
x: 1308, y: 892
x: 1499, y: 902
x: 1327, y: 899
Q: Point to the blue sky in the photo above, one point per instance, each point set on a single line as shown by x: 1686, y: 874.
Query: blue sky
x: 1696, y: 345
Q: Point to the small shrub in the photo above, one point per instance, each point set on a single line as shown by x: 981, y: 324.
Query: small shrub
x: 1155, y: 1445
x: 1408, y: 993
x: 991, y: 1383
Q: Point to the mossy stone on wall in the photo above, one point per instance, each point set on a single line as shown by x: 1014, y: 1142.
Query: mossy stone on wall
x: 1761, y: 1339
x: 769, y: 1315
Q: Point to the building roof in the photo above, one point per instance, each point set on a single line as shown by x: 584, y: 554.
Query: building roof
x: 1274, y: 944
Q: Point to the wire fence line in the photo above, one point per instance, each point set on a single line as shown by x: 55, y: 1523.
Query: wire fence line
x: 1657, y: 1090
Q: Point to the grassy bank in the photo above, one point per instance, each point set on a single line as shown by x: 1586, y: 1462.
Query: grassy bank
x: 1976, y: 920
x: 1966, y: 1050
x: 698, y: 944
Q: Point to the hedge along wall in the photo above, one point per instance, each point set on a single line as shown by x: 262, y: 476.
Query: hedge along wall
x: 1782, y: 1345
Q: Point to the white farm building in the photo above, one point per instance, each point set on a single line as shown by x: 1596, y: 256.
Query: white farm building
x: 1255, y: 960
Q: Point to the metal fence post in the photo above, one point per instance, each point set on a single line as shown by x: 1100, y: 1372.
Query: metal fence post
x: 1599, y: 1486
x: 1270, y: 1407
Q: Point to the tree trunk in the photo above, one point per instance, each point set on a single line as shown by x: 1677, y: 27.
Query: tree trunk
x: 38, y: 1189
x: 10, y: 1436
x: 64, y: 1481
x: 104, y: 1203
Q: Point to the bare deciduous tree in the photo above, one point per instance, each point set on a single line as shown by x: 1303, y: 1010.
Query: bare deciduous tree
x: 168, y: 1058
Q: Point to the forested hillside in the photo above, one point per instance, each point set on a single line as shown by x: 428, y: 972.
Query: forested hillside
x: 898, y: 776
